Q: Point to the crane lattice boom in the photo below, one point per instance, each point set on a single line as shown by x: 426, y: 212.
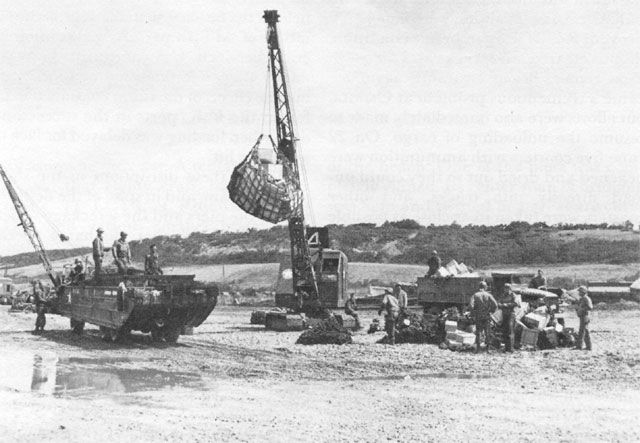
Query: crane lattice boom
x: 28, y: 226
x: 303, y: 273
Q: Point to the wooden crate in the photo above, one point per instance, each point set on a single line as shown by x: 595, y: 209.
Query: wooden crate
x: 529, y: 338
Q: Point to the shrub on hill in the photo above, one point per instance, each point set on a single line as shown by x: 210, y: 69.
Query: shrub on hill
x: 516, y: 243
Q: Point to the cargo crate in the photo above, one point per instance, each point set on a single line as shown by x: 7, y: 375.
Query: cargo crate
x: 529, y: 337
x: 450, y: 326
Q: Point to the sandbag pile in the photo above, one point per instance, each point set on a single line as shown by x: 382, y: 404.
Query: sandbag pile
x: 258, y: 317
x: 326, y: 332
x: 420, y: 329
x: 416, y: 331
x: 262, y: 193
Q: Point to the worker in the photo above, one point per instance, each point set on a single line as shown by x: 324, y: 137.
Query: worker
x: 585, y: 305
x: 318, y: 263
x: 539, y: 281
x: 391, y: 308
x: 510, y: 302
x: 434, y: 263
x: 151, y: 262
x: 39, y: 301
x: 77, y: 273
x: 351, y: 308
x: 403, y: 299
x: 121, y: 253
x: 300, y: 297
x: 482, y: 306
x: 98, y: 252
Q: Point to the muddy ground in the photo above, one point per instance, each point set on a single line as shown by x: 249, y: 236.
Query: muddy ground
x: 231, y: 381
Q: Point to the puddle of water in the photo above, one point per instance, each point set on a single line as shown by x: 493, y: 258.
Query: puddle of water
x: 81, y: 382
x: 44, y: 373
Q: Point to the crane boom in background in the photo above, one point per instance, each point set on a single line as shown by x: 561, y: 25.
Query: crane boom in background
x: 29, y: 228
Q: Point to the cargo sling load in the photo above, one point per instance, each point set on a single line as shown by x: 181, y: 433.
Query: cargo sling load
x: 261, y: 186
x: 266, y: 184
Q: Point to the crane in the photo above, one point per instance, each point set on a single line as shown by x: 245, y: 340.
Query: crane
x: 304, y: 278
x: 29, y: 228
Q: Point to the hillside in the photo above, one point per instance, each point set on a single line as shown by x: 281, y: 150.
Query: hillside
x: 407, y: 242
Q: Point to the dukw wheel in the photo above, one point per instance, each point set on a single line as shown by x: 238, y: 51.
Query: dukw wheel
x: 113, y: 335
x: 171, y: 334
x: 77, y: 326
x: 157, y: 334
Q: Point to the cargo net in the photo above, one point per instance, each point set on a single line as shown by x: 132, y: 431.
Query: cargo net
x: 327, y: 332
x: 261, y: 193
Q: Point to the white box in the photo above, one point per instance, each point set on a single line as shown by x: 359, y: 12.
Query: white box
x: 497, y: 316
x: 267, y: 155
x: 275, y: 171
x: 461, y: 337
x: 450, y: 326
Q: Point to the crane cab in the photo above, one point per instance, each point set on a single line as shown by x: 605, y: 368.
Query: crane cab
x: 330, y: 267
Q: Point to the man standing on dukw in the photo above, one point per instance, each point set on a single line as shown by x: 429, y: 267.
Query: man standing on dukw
x: 152, y: 262
x: 98, y: 253
x: 122, y: 254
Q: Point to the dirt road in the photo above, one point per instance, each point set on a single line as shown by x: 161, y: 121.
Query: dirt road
x: 231, y: 381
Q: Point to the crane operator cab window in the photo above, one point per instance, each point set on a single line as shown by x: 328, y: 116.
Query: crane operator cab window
x: 330, y: 266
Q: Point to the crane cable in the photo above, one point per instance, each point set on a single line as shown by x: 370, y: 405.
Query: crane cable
x: 42, y: 213
x: 265, y: 111
x: 303, y: 171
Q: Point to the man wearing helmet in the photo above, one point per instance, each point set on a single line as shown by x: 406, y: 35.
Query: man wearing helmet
x: 482, y: 306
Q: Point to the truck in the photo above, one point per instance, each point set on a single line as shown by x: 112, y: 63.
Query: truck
x: 436, y: 294
x: 163, y: 305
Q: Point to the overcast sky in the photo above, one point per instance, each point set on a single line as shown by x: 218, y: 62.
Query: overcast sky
x: 132, y: 115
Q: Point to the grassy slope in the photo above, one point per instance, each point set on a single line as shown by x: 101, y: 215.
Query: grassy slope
x: 395, y: 251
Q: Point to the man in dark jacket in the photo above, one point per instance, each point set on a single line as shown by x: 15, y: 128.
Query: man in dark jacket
x: 509, y: 303
x: 539, y: 281
x: 434, y: 263
x: 152, y: 262
x: 39, y: 301
x: 482, y: 306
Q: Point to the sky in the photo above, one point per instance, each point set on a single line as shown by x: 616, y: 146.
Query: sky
x: 131, y: 115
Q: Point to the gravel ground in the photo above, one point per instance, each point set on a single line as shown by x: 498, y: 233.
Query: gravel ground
x: 232, y: 381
